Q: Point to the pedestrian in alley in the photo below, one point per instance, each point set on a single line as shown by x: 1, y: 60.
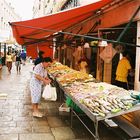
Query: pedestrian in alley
x: 123, y: 69
x: 18, y: 62
x: 39, y: 78
x: 0, y: 66
x: 39, y: 58
x: 23, y: 57
x: 9, y: 59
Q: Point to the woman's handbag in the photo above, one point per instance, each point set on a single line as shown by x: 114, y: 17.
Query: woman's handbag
x: 49, y: 93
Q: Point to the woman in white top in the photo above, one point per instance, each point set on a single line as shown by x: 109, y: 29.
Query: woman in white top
x: 9, y: 61
x: 39, y: 77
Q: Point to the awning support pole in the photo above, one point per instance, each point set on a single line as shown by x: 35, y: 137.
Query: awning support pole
x: 127, y: 26
x: 94, y: 26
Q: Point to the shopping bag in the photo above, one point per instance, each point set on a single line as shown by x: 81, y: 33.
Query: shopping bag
x: 49, y: 93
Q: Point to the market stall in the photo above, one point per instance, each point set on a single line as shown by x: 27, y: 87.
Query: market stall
x: 98, y: 100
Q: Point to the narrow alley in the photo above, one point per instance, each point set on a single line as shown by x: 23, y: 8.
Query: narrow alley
x: 16, y: 118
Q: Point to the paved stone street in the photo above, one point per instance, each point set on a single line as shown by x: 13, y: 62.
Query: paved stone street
x: 16, y: 118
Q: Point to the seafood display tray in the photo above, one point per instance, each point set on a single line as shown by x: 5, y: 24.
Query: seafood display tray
x: 95, y: 118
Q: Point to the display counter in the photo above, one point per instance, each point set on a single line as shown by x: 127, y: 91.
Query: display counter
x: 98, y: 100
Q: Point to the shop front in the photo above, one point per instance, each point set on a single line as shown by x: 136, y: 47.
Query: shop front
x: 113, y: 22
x: 118, y: 21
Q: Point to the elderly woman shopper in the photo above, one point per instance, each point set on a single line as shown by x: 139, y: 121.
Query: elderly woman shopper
x: 39, y: 77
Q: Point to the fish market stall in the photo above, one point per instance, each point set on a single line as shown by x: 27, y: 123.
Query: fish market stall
x: 98, y: 100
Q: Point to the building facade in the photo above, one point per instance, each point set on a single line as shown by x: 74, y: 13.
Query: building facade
x: 68, y: 4
x: 38, y: 8
x: 43, y: 7
x: 7, y: 14
x: 46, y: 7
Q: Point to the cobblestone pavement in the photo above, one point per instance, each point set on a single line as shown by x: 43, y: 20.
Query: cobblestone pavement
x: 16, y: 121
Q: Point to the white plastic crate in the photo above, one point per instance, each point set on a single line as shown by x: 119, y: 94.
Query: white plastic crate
x: 64, y: 110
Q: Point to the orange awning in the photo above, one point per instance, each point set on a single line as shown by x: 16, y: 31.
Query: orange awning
x: 27, y: 32
x: 32, y: 50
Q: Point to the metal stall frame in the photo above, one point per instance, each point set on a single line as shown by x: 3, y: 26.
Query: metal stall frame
x: 94, y: 118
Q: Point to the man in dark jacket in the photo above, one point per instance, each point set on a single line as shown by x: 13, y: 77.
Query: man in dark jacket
x: 23, y: 57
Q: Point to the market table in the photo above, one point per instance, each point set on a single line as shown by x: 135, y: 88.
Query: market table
x: 92, y: 115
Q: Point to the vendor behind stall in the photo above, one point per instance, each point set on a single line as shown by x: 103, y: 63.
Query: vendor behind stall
x: 83, y: 65
x: 123, y: 69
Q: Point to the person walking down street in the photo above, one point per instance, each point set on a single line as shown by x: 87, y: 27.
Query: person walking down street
x: 39, y: 78
x: 0, y: 66
x: 123, y: 69
x: 23, y: 57
x: 39, y: 58
x: 9, y: 61
x: 18, y: 62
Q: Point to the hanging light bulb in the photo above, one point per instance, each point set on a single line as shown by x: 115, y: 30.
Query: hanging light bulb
x: 102, y: 43
x: 86, y: 45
